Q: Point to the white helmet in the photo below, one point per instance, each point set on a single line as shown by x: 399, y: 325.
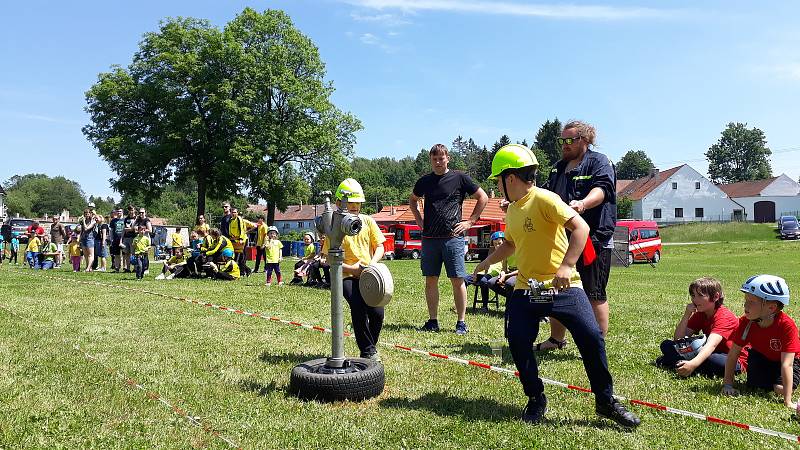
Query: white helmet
x: 272, y: 228
x: 767, y: 287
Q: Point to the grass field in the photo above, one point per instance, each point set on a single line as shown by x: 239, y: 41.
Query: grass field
x: 719, y: 232
x: 232, y: 371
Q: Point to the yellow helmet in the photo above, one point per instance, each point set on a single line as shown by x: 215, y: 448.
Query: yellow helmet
x: 512, y: 156
x: 355, y: 194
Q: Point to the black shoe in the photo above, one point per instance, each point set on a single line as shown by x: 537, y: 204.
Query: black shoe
x: 534, y: 411
x: 431, y: 325
x: 617, y: 412
x: 296, y: 281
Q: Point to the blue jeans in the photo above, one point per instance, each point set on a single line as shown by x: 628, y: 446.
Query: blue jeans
x: 141, y: 263
x: 33, y: 259
x: 571, y: 307
x: 713, y: 366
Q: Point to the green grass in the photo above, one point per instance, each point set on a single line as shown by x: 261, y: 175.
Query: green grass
x: 719, y: 232
x: 233, y: 371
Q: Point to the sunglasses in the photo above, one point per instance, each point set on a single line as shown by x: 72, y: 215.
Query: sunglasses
x: 568, y: 141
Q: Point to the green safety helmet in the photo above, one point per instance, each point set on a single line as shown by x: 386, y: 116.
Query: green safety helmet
x: 354, y: 192
x: 512, y: 156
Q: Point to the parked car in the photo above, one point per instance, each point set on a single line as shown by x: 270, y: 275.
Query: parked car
x: 783, y: 219
x: 407, y: 240
x: 789, y: 228
x: 16, y: 228
x: 644, y: 240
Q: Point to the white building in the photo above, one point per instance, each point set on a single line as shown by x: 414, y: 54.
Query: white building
x: 680, y: 194
x: 766, y: 200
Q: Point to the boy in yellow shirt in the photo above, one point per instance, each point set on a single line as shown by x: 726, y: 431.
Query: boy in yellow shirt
x: 274, y: 255
x: 75, y: 253
x: 141, y: 248
x: 32, y: 251
x: 261, y: 239
x: 536, y: 225
x: 177, y: 241
x: 360, y: 251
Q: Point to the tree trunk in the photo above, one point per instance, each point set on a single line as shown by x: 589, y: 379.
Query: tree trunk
x: 201, y: 195
x: 270, y: 212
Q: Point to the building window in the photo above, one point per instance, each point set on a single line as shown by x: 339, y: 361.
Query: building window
x: 698, y: 212
x: 674, y: 185
x: 657, y: 213
x: 285, y: 225
x: 299, y: 224
x: 697, y: 185
x: 678, y: 213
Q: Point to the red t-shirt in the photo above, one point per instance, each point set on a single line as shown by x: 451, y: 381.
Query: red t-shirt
x: 723, y: 323
x: 780, y: 337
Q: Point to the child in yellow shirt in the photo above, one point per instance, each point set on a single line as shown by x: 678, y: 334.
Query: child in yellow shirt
x: 74, y: 253
x: 274, y: 254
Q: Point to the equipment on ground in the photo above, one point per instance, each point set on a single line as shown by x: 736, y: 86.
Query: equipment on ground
x: 376, y: 285
x: 689, y: 346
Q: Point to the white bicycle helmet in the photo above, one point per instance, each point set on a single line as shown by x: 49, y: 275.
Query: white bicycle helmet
x: 273, y: 228
x: 767, y: 287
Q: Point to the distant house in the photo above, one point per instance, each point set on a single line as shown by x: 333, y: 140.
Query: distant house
x: 680, y: 194
x: 391, y: 215
x: 295, y: 218
x: 766, y: 200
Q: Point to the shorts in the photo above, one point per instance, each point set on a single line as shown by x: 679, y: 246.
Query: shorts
x: 595, y: 276
x: 449, y: 251
x: 127, y: 243
x: 60, y: 248
x: 763, y: 373
x: 87, y: 240
x: 103, y: 252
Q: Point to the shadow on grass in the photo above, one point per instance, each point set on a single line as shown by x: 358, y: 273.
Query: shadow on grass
x: 294, y: 358
x: 472, y: 348
x: 260, y: 389
x: 400, y: 327
x: 478, y: 409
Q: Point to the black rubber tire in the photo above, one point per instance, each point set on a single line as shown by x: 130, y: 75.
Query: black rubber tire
x: 307, y: 384
x: 656, y: 257
x: 630, y: 259
x: 414, y: 254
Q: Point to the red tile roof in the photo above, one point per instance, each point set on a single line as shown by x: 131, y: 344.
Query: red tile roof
x: 390, y: 214
x: 492, y: 212
x: 622, y: 184
x: 639, y: 188
x: 293, y: 212
x: 746, y: 188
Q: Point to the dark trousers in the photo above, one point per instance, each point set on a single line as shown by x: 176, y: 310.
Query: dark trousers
x: 141, y: 263
x: 315, y: 274
x: 482, y: 282
x: 261, y: 253
x: 571, y: 307
x: 763, y: 373
x: 273, y: 267
x: 222, y: 276
x: 367, y: 320
x: 507, y: 289
x: 13, y: 256
x: 240, y: 260
x: 713, y: 366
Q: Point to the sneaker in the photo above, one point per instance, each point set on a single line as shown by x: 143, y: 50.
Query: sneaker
x: 170, y: 276
x: 280, y: 283
x: 431, y: 325
x: 534, y: 411
x: 373, y: 356
x: 296, y: 281
x: 160, y: 276
x: 617, y: 412
x: 146, y: 272
x: 127, y: 271
x: 461, y: 327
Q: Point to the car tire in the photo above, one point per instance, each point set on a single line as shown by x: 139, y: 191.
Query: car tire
x: 367, y: 380
x: 656, y: 257
x: 630, y: 259
x: 415, y: 254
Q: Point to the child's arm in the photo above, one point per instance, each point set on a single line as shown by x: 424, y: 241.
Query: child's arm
x: 685, y: 368
x: 730, y: 368
x: 681, y: 330
x: 787, y: 366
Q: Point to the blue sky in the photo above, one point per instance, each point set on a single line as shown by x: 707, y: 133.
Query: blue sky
x: 664, y: 77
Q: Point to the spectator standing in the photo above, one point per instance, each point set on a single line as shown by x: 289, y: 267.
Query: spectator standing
x: 88, y: 225
x: 443, y: 229
x: 127, y: 238
x: 117, y: 227
x: 261, y: 239
x: 58, y: 235
x: 237, y: 232
x: 143, y: 221
x: 201, y: 224
x: 225, y: 222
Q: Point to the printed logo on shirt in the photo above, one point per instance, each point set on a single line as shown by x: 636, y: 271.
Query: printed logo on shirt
x: 775, y: 344
x: 529, y: 225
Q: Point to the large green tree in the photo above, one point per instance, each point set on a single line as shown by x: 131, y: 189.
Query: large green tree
x: 36, y: 194
x: 245, y: 108
x: 741, y: 154
x: 545, y: 140
x: 634, y: 164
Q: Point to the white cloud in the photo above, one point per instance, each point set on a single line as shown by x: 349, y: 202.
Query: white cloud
x: 389, y: 20
x: 553, y: 11
x: 369, y: 39
x: 790, y: 71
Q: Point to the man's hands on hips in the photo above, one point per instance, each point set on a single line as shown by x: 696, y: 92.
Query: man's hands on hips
x: 462, y: 227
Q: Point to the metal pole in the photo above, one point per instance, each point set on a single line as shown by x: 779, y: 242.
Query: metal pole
x: 337, y: 320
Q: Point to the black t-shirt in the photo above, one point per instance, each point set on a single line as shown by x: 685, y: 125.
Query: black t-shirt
x: 443, y: 195
x: 142, y: 222
x: 128, y: 221
x: 225, y: 225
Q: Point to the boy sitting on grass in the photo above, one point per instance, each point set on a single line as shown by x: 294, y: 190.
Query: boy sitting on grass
x: 492, y: 275
x: 705, y: 313
x: 175, y: 266
x: 772, y: 362
x: 228, y: 270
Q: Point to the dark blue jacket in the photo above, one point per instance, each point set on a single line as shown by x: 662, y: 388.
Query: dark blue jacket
x: 595, y: 170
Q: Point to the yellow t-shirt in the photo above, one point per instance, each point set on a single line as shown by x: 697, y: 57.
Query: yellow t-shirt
x: 272, y: 249
x: 361, y: 247
x: 141, y: 244
x: 309, y: 251
x: 261, y: 234
x: 231, y: 267
x: 205, y: 227
x: 177, y: 240
x: 75, y: 249
x: 177, y: 259
x: 535, y: 224
x: 33, y: 244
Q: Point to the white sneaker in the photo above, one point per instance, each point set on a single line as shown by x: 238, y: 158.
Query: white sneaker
x: 160, y: 276
x: 170, y: 276
x: 280, y: 283
x: 146, y: 272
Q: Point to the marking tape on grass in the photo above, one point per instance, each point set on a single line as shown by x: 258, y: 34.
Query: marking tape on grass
x: 152, y: 395
x: 466, y: 362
